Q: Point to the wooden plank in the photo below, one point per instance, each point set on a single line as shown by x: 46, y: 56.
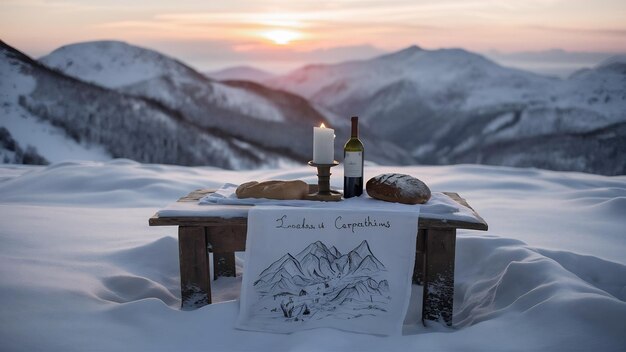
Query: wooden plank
x: 418, y: 267
x: 224, y: 241
x: 156, y: 220
x: 224, y: 265
x: 455, y: 197
x: 194, y: 196
x: 425, y: 222
x: 195, y: 286
x: 438, y: 297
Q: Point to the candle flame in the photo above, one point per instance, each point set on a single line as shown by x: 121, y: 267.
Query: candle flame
x: 322, y: 125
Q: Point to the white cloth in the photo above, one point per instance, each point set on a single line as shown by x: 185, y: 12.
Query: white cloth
x: 327, y: 267
x: 225, y: 195
x: 440, y: 206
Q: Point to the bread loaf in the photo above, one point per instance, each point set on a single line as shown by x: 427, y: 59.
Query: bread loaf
x: 282, y: 190
x: 398, y: 188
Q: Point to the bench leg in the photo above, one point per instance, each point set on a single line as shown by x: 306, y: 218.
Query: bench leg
x: 439, y: 275
x: 223, y: 264
x: 418, y: 268
x: 195, y: 286
x: 224, y: 241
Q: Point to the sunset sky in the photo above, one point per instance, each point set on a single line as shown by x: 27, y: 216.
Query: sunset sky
x: 275, y: 34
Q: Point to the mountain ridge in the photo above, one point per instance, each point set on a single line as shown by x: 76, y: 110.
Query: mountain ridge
x: 125, y: 126
x: 416, y: 106
x: 247, y: 111
x: 444, y: 105
x: 94, y: 61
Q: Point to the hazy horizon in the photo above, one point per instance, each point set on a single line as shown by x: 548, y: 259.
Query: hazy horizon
x: 553, y: 62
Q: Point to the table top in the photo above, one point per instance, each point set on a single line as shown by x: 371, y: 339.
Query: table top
x: 239, y: 215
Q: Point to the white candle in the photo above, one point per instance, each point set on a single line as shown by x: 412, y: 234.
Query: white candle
x: 323, y: 145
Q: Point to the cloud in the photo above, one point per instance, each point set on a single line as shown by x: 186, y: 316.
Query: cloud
x: 555, y: 62
x: 618, y: 32
x: 236, y: 27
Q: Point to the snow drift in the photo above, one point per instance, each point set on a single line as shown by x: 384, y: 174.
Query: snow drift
x: 81, y: 270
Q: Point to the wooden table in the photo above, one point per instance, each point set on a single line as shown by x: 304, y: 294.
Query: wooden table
x: 199, y: 235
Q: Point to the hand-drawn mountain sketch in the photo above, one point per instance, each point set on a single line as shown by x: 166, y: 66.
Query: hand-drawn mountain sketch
x: 321, y: 282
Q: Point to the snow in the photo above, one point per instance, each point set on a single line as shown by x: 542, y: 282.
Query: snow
x: 499, y: 122
x: 178, y: 91
x: 447, y: 77
x: 80, y: 269
x: 434, y: 72
x: 246, y: 102
x: 51, y: 142
x: 546, y: 121
x: 112, y: 64
x: 145, y: 72
x: 616, y: 59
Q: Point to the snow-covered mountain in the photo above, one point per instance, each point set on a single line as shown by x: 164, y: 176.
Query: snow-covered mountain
x: 241, y: 73
x: 427, y: 106
x: 452, y: 106
x: 48, y: 116
x: 24, y: 137
x: 450, y: 76
x: 113, y: 64
x: 271, y: 119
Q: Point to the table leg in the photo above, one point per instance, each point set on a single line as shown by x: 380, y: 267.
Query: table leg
x: 439, y: 275
x: 418, y: 268
x: 225, y: 241
x: 223, y: 264
x: 195, y: 286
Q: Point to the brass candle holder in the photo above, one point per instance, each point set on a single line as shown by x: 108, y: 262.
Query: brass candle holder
x: 324, y: 193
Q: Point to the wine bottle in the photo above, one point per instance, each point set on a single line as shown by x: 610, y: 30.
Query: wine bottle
x: 353, y: 163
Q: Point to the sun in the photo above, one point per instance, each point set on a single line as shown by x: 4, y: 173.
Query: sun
x: 281, y: 36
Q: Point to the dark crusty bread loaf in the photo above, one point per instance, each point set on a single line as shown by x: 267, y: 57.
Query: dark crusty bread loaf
x: 398, y: 188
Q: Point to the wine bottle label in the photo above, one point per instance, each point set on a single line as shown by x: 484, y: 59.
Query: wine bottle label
x: 353, y: 164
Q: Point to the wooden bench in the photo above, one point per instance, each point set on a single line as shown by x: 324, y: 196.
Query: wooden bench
x: 199, y: 235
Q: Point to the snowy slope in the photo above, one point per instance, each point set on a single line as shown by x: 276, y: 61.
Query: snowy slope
x: 550, y: 275
x: 240, y: 73
x: 116, y: 64
x: 72, y: 119
x: 441, y: 74
x: 113, y: 64
x: 418, y: 106
x: 450, y: 78
x: 274, y: 119
x: 450, y: 106
x: 178, y: 94
x: 27, y: 130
